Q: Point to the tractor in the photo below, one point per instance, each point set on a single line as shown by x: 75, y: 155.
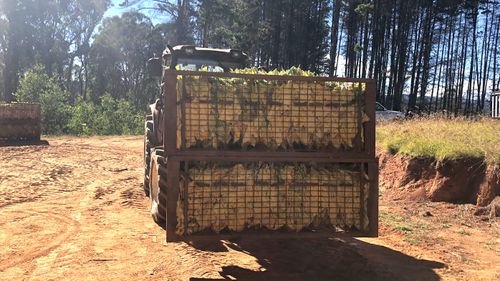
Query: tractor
x: 181, y: 57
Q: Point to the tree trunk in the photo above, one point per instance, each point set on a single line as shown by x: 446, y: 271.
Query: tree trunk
x: 334, y: 36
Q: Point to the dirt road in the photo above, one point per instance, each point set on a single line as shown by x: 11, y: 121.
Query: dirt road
x: 75, y: 210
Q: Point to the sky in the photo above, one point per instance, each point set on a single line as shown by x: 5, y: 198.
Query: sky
x: 116, y: 10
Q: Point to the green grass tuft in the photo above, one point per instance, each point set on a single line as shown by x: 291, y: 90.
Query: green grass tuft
x: 403, y: 228
x: 442, y: 138
x: 412, y: 240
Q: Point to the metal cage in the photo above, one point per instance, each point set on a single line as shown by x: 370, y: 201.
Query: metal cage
x: 20, y: 121
x: 279, y: 140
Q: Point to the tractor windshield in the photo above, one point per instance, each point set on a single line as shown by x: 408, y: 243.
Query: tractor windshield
x: 199, y: 64
x: 191, y: 58
x: 193, y: 64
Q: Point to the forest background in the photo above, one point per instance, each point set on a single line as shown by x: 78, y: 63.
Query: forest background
x: 85, y: 60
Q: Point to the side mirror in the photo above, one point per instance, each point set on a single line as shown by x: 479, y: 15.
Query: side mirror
x: 154, y: 67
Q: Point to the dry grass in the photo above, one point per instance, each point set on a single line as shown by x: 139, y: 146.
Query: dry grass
x: 442, y: 138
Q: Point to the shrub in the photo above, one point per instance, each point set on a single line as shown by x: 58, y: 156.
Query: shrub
x: 117, y: 117
x: 110, y: 117
x: 83, y: 118
x: 37, y: 86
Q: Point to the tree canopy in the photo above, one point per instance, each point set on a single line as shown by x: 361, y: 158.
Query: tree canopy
x: 435, y: 55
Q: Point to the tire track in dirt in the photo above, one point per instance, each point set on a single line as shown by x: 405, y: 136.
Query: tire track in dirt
x: 132, y: 197
x: 57, y: 175
x: 65, y: 254
x: 116, y: 239
x: 69, y: 229
x: 86, y: 187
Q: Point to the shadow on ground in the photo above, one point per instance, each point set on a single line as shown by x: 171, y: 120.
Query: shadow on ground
x: 326, y: 259
x: 22, y: 142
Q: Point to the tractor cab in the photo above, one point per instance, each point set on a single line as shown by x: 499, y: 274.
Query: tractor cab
x: 192, y: 58
x: 187, y: 58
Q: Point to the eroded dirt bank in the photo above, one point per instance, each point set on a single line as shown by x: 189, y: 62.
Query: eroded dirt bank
x: 455, y: 181
x: 75, y: 210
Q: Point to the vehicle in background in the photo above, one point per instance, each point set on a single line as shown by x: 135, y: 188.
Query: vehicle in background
x: 383, y: 114
x: 495, y: 104
x: 187, y: 58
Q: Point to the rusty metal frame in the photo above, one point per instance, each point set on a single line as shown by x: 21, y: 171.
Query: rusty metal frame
x: 16, y: 126
x: 270, y: 235
x: 176, y: 156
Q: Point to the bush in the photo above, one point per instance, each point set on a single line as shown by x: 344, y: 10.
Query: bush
x: 117, y: 117
x: 82, y: 120
x: 37, y: 86
x: 110, y: 117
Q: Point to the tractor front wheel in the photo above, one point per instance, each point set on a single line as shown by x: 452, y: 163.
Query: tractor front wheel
x: 158, y: 187
x: 148, y: 141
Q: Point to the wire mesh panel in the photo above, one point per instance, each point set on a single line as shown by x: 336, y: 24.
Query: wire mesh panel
x: 217, y: 113
x: 235, y: 196
x: 277, y: 153
x: 19, y: 121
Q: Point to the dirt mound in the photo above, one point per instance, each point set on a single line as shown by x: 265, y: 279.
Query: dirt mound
x: 468, y: 180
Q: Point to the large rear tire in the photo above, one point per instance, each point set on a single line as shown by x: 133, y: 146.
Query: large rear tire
x: 148, y: 141
x: 158, y: 187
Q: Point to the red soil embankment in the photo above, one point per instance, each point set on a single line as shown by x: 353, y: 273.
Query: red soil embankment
x: 468, y: 180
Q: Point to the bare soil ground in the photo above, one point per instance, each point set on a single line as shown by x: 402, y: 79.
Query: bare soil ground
x: 75, y: 210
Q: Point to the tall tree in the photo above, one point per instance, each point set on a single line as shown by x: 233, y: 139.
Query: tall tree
x: 119, y: 55
x: 334, y: 37
x: 46, y: 32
